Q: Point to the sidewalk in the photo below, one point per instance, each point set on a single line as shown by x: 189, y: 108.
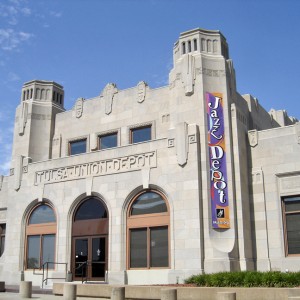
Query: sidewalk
x: 10, y: 296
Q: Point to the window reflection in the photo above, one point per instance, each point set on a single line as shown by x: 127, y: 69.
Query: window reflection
x: 91, y: 209
x: 42, y: 214
x: 77, y: 147
x: 140, y: 134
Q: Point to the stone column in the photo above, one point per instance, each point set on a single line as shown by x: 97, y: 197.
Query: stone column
x: 118, y: 293
x: 25, y: 289
x: 70, y: 291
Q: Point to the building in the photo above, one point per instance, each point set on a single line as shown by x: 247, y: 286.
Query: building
x: 144, y: 186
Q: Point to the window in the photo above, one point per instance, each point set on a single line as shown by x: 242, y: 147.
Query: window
x: 140, y: 134
x: 2, y: 238
x: 195, y: 45
x: 91, y: 209
x: 291, y: 220
x: 77, y: 147
x: 108, y: 141
x: 148, y: 231
x: 40, y: 237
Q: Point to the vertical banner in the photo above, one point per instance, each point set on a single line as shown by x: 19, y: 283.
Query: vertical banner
x: 217, y: 161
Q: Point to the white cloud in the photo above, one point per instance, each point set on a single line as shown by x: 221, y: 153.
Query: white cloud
x: 55, y: 14
x: 13, y: 76
x: 11, y: 39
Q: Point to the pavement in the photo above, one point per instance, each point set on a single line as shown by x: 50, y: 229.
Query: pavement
x: 11, y: 296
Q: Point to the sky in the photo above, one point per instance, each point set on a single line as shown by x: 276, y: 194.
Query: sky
x: 85, y: 44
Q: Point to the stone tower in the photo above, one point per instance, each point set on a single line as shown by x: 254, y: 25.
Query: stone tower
x: 35, y: 121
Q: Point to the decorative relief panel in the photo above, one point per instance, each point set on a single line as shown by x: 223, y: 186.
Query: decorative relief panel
x: 192, y: 139
x: 78, y: 107
x: 188, y: 74
x: 141, y: 91
x: 108, y: 93
x: 253, y: 137
x: 23, y: 118
x: 171, y: 143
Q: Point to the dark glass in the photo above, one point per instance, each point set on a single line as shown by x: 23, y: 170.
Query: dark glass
x: 42, y: 214
x: 33, y: 252
x: 2, y: 246
x: 138, y: 248
x: 293, y: 233
x: 159, y: 249
x: 148, y: 203
x: 98, y: 257
x: 91, y: 209
x: 292, y: 206
x: 77, y: 147
x: 108, y: 141
x: 81, y: 256
x: 141, y: 134
x: 48, y: 249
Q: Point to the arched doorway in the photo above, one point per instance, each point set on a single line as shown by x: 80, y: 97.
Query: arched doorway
x: 89, y: 240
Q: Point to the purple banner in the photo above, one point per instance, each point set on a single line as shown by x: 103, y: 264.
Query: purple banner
x: 217, y: 161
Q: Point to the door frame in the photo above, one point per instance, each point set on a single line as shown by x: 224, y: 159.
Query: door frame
x: 89, y: 257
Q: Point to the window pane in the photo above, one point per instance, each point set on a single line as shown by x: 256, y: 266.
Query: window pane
x: 159, y: 251
x: 138, y: 248
x: 33, y: 251
x: 77, y: 147
x: 108, y: 141
x: 2, y: 246
x: 148, y: 203
x: 48, y: 249
x: 141, y: 134
x: 293, y: 233
x: 292, y: 204
x: 91, y: 209
x: 42, y: 214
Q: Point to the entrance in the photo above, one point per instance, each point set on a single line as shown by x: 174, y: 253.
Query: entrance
x: 89, y: 241
x: 90, y: 258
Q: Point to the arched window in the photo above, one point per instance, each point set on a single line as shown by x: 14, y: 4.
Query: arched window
x: 40, y: 237
x: 148, y: 222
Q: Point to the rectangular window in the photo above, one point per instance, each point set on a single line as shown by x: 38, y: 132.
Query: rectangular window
x: 140, y: 134
x: 2, y: 238
x: 77, y: 147
x: 108, y: 141
x: 159, y: 248
x: 40, y: 249
x: 291, y: 216
x: 149, y: 247
x: 138, y: 248
x: 33, y: 252
x: 48, y: 249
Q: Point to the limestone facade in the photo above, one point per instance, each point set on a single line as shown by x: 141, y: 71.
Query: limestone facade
x: 223, y: 165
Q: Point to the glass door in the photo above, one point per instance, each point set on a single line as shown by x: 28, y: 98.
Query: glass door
x: 89, y: 261
x: 81, y: 257
x: 98, y: 262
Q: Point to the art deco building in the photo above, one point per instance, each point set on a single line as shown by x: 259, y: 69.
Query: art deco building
x: 143, y: 186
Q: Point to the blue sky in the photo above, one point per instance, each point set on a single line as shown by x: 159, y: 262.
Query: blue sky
x: 84, y: 44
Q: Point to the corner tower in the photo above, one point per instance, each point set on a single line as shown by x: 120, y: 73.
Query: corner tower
x: 35, y: 119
